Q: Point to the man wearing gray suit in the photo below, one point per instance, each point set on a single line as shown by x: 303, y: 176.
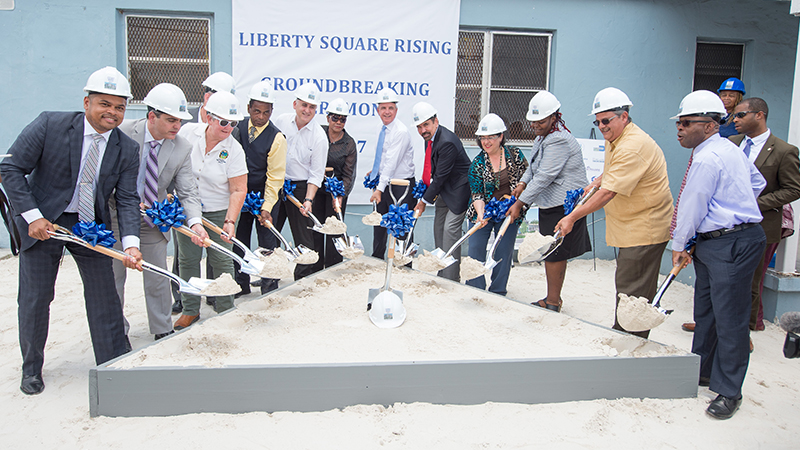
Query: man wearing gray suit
x: 64, y: 168
x: 164, y: 167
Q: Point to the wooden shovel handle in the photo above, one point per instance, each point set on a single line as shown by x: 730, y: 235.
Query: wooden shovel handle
x: 328, y: 169
x: 399, y: 182
x: 183, y: 229
x: 98, y: 248
x: 294, y: 200
x: 683, y: 262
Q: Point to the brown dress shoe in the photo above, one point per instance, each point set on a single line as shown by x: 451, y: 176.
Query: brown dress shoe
x: 688, y: 326
x: 184, y: 321
x: 751, y: 345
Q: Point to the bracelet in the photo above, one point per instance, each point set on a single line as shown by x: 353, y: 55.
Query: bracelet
x: 229, y: 221
x: 309, y: 200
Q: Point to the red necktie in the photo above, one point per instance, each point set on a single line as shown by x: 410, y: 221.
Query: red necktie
x: 426, y: 170
x: 678, y: 202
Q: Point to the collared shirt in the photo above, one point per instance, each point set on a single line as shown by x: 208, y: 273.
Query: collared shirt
x: 720, y: 192
x: 397, y: 159
x: 258, y: 129
x: 433, y: 138
x: 276, y: 170
x: 212, y: 170
x: 307, y: 149
x: 635, y: 169
x: 758, y: 144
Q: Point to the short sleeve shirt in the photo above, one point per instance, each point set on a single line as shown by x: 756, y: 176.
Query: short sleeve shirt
x: 635, y: 169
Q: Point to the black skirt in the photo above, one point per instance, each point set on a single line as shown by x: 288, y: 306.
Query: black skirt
x: 577, y: 241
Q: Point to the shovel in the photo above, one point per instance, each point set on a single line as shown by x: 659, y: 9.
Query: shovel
x: 317, y: 224
x: 249, y: 256
x: 490, y: 262
x: 663, y: 288
x: 192, y: 287
x: 291, y: 252
x: 385, y: 305
x: 445, y: 258
x: 545, y: 251
x: 407, y: 247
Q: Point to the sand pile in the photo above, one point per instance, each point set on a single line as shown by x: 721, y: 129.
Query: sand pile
x: 400, y: 260
x: 534, y: 244
x: 472, y: 268
x: 224, y: 285
x: 276, y: 264
x: 427, y: 262
x: 352, y: 252
x: 307, y: 257
x: 637, y: 314
x: 333, y: 225
x: 372, y: 219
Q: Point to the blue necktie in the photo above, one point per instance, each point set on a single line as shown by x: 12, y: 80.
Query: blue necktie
x: 376, y: 166
x: 747, y: 147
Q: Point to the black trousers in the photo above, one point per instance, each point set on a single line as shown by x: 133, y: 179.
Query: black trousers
x: 724, y: 268
x: 266, y: 239
x: 323, y: 243
x: 38, y: 268
x: 301, y: 233
x: 379, y: 234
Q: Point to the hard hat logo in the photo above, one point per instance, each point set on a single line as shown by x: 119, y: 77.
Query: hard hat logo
x: 182, y: 108
x: 596, y: 104
x: 534, y: 111
x: 311, y: 96
x: 729, y: 84
x: 233, y: 110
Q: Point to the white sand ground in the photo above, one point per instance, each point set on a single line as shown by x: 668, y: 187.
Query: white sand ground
x: 59, y: 417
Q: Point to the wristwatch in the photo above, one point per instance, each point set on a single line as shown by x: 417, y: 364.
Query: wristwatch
x: 229, y: 221
x: 309, y: 200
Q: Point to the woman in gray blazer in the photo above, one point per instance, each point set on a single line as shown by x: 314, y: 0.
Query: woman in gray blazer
x: 556, y: 167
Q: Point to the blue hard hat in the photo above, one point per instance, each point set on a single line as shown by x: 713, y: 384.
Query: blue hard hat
x: 732, y: 84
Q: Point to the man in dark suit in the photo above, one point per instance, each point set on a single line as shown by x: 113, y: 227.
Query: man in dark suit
x: 445, y: 172
x: 165, y: 166
x: 779, y: 164
x: 65, y: 167
x: 265, y: 148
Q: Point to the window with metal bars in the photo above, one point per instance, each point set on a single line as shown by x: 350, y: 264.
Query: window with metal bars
x: 498, y: 72
x: 715, y: 62
x: 164, y: 49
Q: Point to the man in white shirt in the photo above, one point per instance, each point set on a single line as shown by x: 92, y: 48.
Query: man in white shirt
x: 306, y: 156
x: 394, y: 159
x: 717, y: 202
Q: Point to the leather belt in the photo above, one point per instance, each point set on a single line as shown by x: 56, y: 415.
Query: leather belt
x: 724, y: 231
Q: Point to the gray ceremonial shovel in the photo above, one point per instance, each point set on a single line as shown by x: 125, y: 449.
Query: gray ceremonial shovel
x: 445, y: 258
x: 385, y: 306
x: 317, y: 224
x: 490, y: 262
x: 191, y: 287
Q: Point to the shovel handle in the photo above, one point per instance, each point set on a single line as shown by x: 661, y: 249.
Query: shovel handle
x: 399, y: 182
x: 294, y: 200
x: 208, y: 224
x: 682, y: 263
x: 98, y: 248
x: 183, y: 229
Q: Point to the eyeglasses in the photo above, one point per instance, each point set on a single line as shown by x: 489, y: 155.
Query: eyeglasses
x: 685, y: 122
x: 489, y: 138
x: 604, y: 121
x: 224, y: 123
x: 338, y: 118
x: 741, y: 114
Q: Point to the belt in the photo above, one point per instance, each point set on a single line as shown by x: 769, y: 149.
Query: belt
x: 724, y: 231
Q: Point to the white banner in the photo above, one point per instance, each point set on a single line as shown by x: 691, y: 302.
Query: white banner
x: 351, y: 49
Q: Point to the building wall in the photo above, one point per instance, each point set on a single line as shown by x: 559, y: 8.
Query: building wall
x: 644, y: 47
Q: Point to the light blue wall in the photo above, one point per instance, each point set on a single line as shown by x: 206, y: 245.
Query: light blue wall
x: 646, y: 48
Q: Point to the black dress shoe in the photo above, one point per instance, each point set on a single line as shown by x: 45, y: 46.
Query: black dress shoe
x: 211, y: 301
x: 704, y: 381
x: 268, y: 285
x: 177, y: 307
x: 163, y: 335
x: 32, y: 384
x: 723, y: 407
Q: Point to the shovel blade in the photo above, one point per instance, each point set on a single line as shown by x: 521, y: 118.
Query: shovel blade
x: 194, y: 285
x: 489, y: 264
x: 411, y: 251
x: 446, y: 259
x: 387, y: 310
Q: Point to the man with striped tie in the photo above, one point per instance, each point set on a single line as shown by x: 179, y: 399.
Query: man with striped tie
x: 164, y: 167
x: 64, y: 168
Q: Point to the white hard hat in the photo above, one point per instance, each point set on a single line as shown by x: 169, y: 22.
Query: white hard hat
x: 700, y: 102
x: 262, y: 92
x: 339, y: 106
x: 224, y: 105
x: 169, y: 99
x: 220, y: 82
x: 542, y: 105
x: 387, y: 95
x: 608, y: 99
x: 422, y: 111
x: 307, y: 93
x: 108, y: 80
x: 490, y: 124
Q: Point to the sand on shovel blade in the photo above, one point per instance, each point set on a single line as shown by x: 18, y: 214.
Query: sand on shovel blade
x: 224, y: 285
x: 534, y: 243
x: 636, y: 314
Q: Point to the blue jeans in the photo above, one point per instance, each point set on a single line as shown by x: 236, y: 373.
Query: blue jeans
x: 505, y: 250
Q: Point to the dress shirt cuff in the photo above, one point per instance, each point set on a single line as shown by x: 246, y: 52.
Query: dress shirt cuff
x: 32, y: 215
x: 192, y: 221
x: 678, y: 247
x: 130, y: 241
x: 425, y: 201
